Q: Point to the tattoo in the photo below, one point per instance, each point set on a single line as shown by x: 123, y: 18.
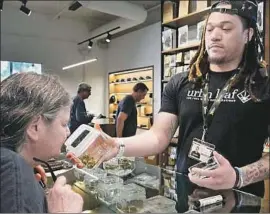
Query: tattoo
x: 257, y: 171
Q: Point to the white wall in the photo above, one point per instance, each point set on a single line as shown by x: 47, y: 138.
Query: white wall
x: 138, y: 49
x: 40, y: 39
x: 53, y: 43
x: 95, y: 74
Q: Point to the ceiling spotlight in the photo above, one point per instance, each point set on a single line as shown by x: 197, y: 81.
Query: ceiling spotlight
x: 90, y: 44
x: 108, y: 39
x: 1, y: 5
x: 25, y: 10
x: 75, y: 5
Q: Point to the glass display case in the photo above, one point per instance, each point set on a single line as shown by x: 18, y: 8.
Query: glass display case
x: 120, y: 166
x: 109, y: 189
x: 131, y: 198
x: 146, y: 180
x: 103, y: 192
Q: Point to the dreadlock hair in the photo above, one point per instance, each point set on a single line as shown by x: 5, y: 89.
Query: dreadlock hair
x: 199, y: 64
x: 251, y: 66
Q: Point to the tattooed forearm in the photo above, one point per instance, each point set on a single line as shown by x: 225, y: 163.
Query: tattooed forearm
x: 257, y: 171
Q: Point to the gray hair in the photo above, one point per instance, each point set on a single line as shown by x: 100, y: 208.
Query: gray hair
x: 84, y: 87
x: 24, y: 96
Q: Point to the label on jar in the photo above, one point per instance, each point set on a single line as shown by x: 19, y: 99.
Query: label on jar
x: 210, y: 200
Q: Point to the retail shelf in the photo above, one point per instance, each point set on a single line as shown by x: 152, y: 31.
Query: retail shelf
x: 189, y: 19
x: 149, y: 92
x: 192, y: 45
x: 145, y: 116
x: 145, y: 128
x: 130, y: 82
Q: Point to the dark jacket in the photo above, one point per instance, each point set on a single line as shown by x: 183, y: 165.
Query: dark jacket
x: 78, y: 115
x: 20, y: 191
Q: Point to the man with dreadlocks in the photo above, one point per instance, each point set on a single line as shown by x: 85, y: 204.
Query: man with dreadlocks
x: 224, y: 100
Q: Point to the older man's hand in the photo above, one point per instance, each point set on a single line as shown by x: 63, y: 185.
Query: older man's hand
x: 220, y: 178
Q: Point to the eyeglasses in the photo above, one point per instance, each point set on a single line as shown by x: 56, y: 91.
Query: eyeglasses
x: 50, y: 169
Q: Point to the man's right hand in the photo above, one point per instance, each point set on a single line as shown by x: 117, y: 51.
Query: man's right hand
x: 114, y: 149
x: 62, y: 199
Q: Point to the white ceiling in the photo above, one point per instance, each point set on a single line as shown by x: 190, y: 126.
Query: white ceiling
x: 59, y: 9
x: 147, y: 4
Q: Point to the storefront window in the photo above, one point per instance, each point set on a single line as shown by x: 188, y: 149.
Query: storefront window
x: 8, y: 68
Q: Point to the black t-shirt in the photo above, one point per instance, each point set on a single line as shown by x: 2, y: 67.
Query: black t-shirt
x: 20, y: 191
x: 238, y: 129
x: 128, y: 106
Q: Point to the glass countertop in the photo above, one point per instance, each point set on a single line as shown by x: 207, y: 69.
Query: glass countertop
x: 151, y: 199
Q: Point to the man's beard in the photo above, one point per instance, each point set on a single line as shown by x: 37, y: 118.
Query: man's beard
x: 217, y: 60
x: 221, y: 59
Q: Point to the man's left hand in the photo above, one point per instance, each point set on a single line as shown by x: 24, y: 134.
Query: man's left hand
x: 220, y: 178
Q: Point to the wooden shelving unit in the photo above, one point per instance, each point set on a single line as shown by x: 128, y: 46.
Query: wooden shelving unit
x: 124, y: 86
x: 131, y: 82
x: 189, y: 19
x: 193, y: 45
x: 121, y: 84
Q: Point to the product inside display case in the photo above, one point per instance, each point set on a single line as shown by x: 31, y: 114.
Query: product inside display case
x: 120, y: 166
x: 131, y: 198
x: 159, y: 204
x: 106, y: 193
x: 109, y: 189
x: 129, y: 185
x: 91, y: 180
x: 146, y: 180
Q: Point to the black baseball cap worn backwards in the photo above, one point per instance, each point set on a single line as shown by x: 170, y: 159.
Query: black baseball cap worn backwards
x: 245, y: 8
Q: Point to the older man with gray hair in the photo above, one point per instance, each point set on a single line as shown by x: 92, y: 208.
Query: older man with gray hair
x: 78, y: 114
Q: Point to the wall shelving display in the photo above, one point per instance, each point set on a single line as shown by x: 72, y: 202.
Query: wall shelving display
x: 182, y: 26
x: 181, y: 31
x: 121, y: 84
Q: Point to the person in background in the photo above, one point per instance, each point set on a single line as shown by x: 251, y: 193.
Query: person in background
x: 33, y: 124
x: 228, y: 74
x: 126, y: 115
x: 78, y: 114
